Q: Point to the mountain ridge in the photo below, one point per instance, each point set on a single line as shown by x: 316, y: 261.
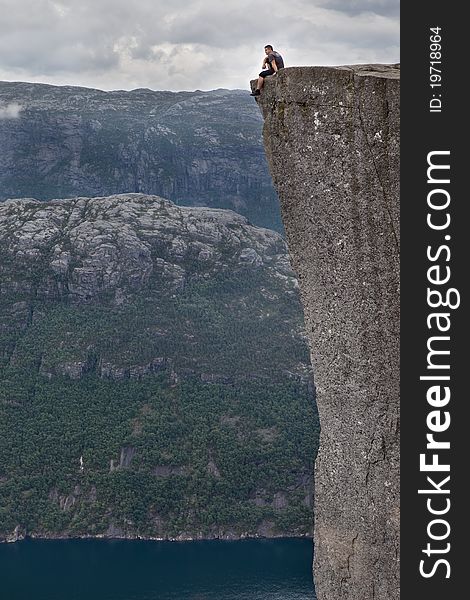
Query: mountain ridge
x: 201, y: 148
x: 155, y: 374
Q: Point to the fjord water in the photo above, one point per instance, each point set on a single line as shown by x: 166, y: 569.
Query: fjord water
x: 278, y: 569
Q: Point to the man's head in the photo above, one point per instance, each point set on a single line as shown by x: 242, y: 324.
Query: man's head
x: 268, y: 48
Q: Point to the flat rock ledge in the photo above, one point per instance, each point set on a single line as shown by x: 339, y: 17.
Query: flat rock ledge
x: 331, y: 136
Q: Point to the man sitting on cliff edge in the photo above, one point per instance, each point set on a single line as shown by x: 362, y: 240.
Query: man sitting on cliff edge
x: 272, y: 62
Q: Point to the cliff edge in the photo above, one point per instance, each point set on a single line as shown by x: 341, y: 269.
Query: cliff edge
x: 331, y: 136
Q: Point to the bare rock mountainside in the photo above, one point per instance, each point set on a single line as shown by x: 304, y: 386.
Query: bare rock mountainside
x: 194, y: 148
x: 332, y: 139
x: 155, y: 373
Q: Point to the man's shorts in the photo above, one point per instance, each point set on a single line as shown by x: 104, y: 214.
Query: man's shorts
x: 267, y: 73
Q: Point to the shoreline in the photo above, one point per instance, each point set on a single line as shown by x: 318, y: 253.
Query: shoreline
x: 15, y: 538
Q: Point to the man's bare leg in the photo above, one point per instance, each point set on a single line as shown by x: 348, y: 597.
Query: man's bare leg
x: 259, y: 85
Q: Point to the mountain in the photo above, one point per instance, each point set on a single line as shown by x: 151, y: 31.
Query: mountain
x: 155, y: 373
x: 195, y: 148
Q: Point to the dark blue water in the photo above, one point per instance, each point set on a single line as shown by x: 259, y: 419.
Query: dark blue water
x: 137, y: 570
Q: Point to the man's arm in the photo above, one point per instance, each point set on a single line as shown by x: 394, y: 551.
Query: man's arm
x: 265, y: 60
x: 273, y: 65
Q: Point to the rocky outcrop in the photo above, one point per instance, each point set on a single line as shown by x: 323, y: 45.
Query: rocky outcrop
x: 120, y: 244
x: 132, y: 253
x: 195, y: 148
x: 332, y: 140
x: 16, y: 535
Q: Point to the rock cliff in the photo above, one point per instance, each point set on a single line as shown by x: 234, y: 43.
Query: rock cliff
x: 194, y: 148
x: 332, y: 139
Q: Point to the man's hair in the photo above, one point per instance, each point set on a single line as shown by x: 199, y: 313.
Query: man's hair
x: 268, y: 46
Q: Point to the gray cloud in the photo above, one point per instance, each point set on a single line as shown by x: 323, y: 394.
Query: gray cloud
x: 389, y: 8
x: 10, y: 111
x: 186, y: 44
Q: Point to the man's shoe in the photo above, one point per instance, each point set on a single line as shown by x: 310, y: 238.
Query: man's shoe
x: 255, y: 93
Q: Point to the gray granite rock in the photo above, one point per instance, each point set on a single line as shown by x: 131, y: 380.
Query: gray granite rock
x: 115, y: 245
x: 332, y: 139
x: 140, y: 256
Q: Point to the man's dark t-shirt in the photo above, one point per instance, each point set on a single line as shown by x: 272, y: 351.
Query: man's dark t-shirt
x: 277, y: 57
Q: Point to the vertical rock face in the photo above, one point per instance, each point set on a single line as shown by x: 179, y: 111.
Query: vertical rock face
x: 332, y: 140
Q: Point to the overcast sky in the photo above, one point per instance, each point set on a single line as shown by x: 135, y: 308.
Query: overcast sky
x: 186, y: 44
